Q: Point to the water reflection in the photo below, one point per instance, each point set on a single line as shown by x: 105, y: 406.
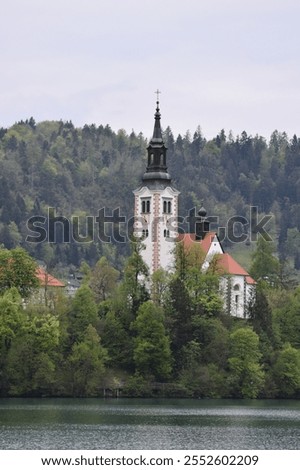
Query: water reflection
x: 148, y: 424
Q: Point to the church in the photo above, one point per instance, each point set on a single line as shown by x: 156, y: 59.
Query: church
x: 156, y: 222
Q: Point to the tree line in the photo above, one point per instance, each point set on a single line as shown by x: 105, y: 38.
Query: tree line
x: 175, y: 342
x: 80, y: 170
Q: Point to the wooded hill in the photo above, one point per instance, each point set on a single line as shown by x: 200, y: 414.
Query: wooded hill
x: 80, y: 170
x: 110, y: 335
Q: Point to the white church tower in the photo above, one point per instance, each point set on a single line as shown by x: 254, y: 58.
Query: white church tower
x: 156, y: 206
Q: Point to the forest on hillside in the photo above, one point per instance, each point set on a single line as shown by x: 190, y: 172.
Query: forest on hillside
x: 78, y: 171
x: 111, y: 334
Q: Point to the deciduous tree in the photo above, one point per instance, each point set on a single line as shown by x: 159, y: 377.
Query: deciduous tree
x: 17, y: 269
x: 286, y: 372
x: 246, y: 375
x: 87, y: 365
x: 152, y: 354
x: 103, y: 280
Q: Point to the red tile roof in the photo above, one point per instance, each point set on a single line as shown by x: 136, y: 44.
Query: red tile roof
x: 250, y: 280
x: 229, y: 266
x: 225, y: 263
x: 189, y: 240
x: 47, y: 280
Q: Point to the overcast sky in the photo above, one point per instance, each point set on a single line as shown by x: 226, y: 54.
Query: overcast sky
x: 232, y: 64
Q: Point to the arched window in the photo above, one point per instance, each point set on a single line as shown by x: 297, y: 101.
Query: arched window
x: 236, y: 287
x: 166, y: 233
x: 167, y: 207
x: 146, y: 206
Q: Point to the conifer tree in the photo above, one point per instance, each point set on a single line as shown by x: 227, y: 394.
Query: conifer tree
x: 265, y: 266
x: 152, y: 354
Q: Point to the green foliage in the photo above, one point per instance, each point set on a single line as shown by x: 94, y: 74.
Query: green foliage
x: 137, y: 386
x: 202, y: 286
x: 287, y: 318
x: 103, y: 280
x: 31, y: 360
x: 260, y: 312
x: 11, y: 318
x: 152, y: 354
x: 83, y: 313
x: 204, y: 381
x: 55, y: 164
x: 169, y: 348
x: 246, y: 375
x: 136, y: 275
x: 178, y: 318
x: 265, y: 266
x: 118, y: 342
x: 78, y: 170
x: 292, y: 246
x: 286, y: 372
x: 86, y: 365
x: 17, y: 269
x: 159, y: 285
x: 213, y: 336
x: 204, y: 293
x: 192, y: 299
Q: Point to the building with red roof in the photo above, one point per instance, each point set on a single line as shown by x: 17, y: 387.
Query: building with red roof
x: 46, y: 280
x: 236, y: 285
x: 50, y: 288
x: 156, y: 223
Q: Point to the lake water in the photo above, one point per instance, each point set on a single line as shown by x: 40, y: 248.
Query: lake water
x: 149, y: 424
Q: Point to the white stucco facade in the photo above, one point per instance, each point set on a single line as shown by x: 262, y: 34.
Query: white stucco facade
x: 156, y: 212
x: 155, y: 223
x: 215, y: 248
x: 236, y: 286
x: 237, y: 294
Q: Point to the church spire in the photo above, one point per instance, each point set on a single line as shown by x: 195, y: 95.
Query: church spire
x: 157, y: 135
x: 157, y: 152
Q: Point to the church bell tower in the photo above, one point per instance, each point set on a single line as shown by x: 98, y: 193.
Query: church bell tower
x: 156, y: 205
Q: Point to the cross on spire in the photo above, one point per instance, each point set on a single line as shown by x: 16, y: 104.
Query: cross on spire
x: 157, y: 92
